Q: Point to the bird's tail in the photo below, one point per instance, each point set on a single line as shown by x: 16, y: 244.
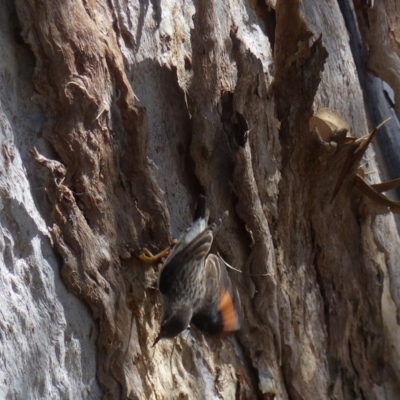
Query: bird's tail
x: 201, y: 208
x: 200, y: 221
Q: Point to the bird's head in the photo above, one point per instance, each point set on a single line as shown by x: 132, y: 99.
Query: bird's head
x: 173, y: 323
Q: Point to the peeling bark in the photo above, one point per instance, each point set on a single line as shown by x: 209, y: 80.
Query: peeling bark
x: 148, y: 104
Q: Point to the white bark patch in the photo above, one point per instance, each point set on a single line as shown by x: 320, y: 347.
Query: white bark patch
x: 46, y: 335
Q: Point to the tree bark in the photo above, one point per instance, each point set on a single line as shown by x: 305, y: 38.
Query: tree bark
x: 116, y: 115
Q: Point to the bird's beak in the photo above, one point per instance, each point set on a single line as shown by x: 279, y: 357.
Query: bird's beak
x: 159, y: 337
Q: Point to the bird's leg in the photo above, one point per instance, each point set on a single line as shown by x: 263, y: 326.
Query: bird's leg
x: 149, y: 258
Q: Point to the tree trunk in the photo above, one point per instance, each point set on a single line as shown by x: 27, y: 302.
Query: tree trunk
x: 116, y: 115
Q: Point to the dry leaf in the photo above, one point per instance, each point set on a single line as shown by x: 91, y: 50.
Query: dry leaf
x: 327, y: 122
x: 375, y: 196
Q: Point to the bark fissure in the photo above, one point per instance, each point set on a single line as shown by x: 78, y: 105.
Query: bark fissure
x: 149, y: 104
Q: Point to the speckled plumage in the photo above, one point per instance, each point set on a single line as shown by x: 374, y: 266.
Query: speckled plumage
x: 192, y: 282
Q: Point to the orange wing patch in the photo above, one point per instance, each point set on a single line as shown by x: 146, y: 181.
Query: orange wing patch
x: 229, y: 315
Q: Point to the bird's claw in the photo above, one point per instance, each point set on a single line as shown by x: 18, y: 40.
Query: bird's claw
x: 149, y: 258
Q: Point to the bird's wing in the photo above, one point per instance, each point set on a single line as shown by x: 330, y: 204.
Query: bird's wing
x: 189, y: 255
x: 221, y: 312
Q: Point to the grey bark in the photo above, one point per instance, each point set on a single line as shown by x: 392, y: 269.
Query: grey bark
x: 115, y: 115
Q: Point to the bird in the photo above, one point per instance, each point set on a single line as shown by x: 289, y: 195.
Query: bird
x: 195, y: 286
